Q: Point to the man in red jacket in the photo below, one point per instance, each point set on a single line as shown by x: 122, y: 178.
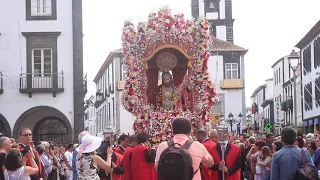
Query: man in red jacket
x: 202, y: 137
x: 231, y: 164
x: 142, y: 161
x: 127, y: 175
x: 123, y: 142
x: 26, y: 143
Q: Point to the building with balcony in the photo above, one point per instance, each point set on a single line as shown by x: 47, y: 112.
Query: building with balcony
x: 257, y: 98
x: 283, y: 95
x: 90, y: 115
x: 226, y: 65
x: 226, y: 69
x: 109, y: 83
x: 280, y: 70
x: 41, y: 65
x: 309, y: 47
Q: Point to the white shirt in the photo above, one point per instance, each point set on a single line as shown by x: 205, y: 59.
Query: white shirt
x: 68, y: 157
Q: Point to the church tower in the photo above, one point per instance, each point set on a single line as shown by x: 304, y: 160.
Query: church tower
x: 219, y: 15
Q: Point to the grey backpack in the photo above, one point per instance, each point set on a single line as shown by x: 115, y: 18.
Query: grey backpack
x: 176, y: 162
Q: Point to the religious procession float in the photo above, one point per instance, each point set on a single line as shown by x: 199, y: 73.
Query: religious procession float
x: 167, y: 73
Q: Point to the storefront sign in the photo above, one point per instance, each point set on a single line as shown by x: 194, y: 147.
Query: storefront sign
x: 277, y: 123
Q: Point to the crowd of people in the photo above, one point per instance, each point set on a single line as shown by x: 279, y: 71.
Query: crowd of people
x: 180, y: 158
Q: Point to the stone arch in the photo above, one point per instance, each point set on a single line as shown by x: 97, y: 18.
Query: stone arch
x: 5, y: 128
x: 51, y: 129
x: 33, y: 117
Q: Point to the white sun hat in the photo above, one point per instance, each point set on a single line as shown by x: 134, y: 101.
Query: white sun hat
x: 89, y: 144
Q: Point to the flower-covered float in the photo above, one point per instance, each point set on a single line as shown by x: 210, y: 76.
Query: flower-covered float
x: 167, y: 73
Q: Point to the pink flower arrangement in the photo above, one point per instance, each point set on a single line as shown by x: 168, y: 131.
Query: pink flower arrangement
x: 163, y: 29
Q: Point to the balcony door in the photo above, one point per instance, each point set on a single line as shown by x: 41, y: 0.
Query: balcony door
x: 42, y: 68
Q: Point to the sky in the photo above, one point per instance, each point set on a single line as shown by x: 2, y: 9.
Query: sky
x: 268, y: 28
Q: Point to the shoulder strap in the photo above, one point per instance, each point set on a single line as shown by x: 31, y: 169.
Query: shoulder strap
x: 6, y: 173
x: 187, y: 144
x: 303, y: 157
x: 21, y: 170
x: 170, y: 143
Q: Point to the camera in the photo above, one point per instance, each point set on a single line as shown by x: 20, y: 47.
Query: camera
x: 25, y: 150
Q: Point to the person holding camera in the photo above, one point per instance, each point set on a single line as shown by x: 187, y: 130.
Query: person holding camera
x: 87, y: 160
x: 26, y: 146
x: 16, y: 168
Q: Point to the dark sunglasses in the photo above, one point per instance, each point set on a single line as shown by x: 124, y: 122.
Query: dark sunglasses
x: 26, y: 135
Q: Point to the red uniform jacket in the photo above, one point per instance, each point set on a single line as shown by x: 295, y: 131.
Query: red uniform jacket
x: 141, y: 169
x: 119, y: 150
x: 118, y: 163
x: 232, y: 160
x: 37, y: 159
x: 127, y: 175
x: 206, y: 172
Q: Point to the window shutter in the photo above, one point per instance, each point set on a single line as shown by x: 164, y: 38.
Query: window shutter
x: 33, y: 7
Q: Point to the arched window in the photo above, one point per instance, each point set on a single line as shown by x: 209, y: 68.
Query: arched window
x: 51, y: 130
x: 212, y: 5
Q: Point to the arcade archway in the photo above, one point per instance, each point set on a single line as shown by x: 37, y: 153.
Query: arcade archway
x: 5, y: 128
x: 51, y: 129
x: 47, y: 122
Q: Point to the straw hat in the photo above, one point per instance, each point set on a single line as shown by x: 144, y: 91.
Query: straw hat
x: 89, y: 144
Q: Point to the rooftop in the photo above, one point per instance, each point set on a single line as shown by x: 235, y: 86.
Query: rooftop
x: 223, y: 46
x: 313, y: 33
x: 255, y: 92
x: 106, y: 63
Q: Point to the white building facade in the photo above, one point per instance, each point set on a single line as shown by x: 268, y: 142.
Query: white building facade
x: 110, y: 81
x: 219, y: 15
x: 41, y: 69
x: 90, y: 115
x: 309, y: 47
x: 226, y: 65
x: 257, y: 98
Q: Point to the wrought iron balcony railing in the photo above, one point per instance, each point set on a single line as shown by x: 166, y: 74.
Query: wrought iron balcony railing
x: 41, y: 83
x: 1, y: 83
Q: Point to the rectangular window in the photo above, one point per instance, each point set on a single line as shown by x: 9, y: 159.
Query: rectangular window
x: 107, y: 81
x: 113, y: 113
x: 112, y: 75
x: 109, y: 114
x: 316, y: 53
x: 42, y: 62
x: 231, y: 70
x: 279, y: 75
x: 308, y: 97
x: 317, y: 91
x: 123, y: 71
x: 41, y: 8
x: 306, y: 60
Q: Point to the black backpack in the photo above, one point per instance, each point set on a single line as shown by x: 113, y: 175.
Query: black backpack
x: 306, y: 171
x: 176, y: 162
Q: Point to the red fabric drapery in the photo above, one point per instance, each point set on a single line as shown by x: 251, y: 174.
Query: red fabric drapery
x: 152, y: 77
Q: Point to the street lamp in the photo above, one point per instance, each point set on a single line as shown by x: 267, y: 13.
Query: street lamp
x: 293, y: 61
x: 230, y: 120
x: 239, y: 124
x: 99, y: 96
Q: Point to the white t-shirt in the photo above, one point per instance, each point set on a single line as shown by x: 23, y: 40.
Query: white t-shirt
x: 69, y: 157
